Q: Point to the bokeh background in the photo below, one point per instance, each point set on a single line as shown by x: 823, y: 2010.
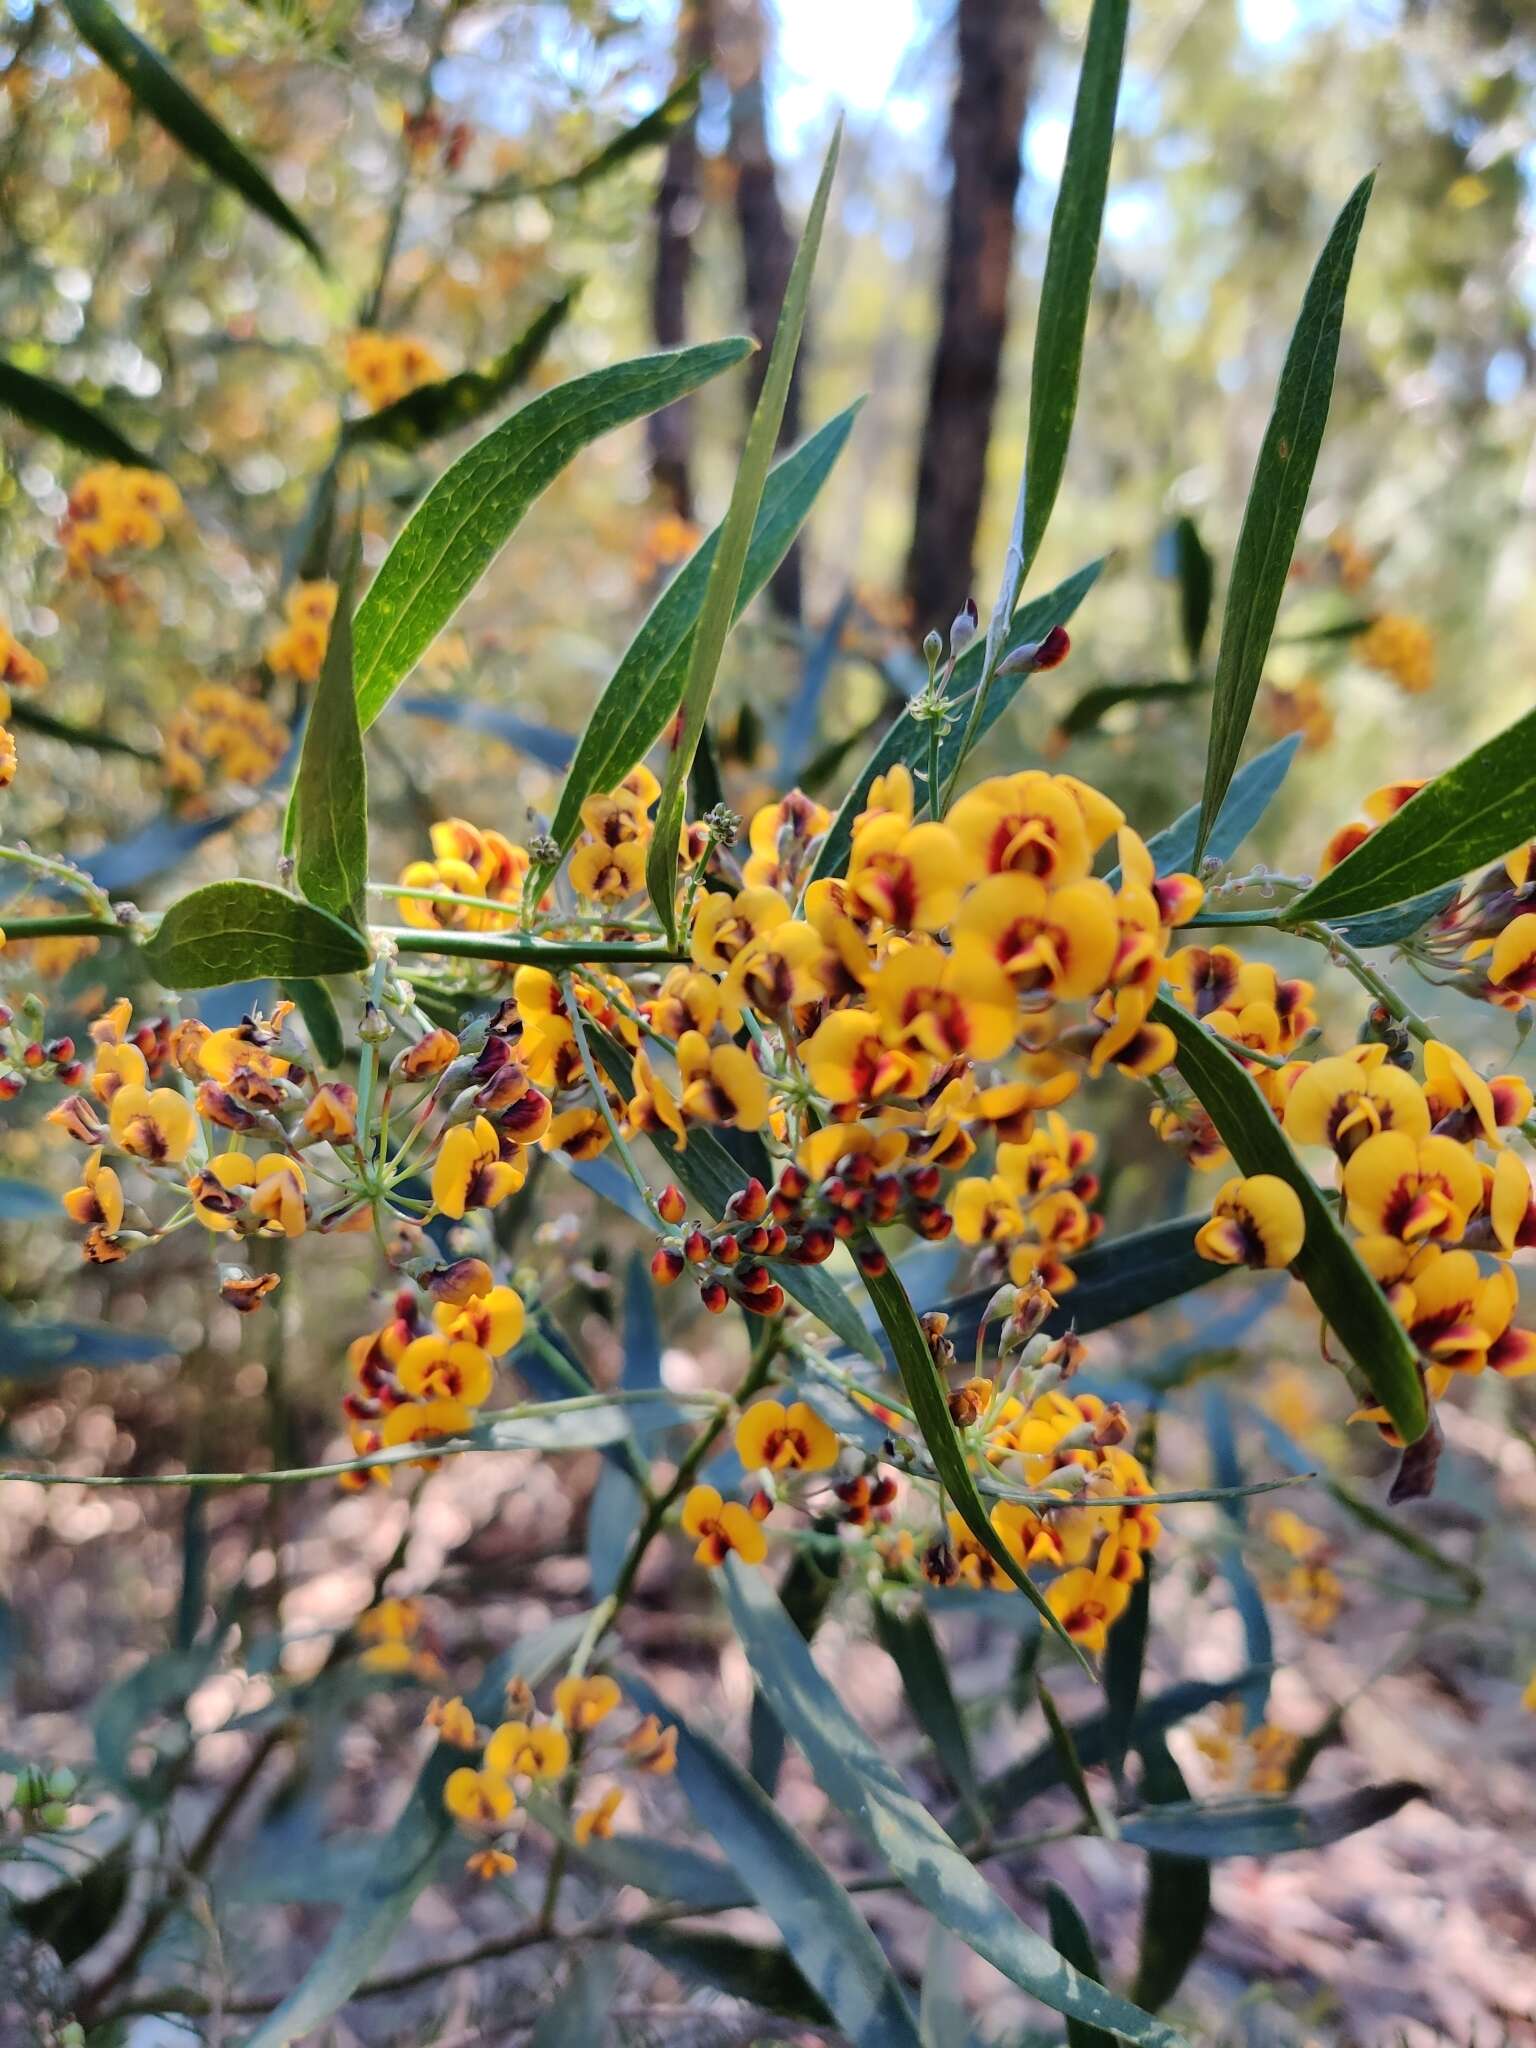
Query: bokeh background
x: 438, y: 137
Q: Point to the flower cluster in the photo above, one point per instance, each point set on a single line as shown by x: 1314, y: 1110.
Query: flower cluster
x: 469, y: 862
x: 608, y: 863
x: 299, y: 648
x: 114, y: 509
x: 382, y: 368
x: 1400, y: 647
x: 1255, y: 1760
x: 19, y: 669
x: 221, y: 734
x: 530, y: 1752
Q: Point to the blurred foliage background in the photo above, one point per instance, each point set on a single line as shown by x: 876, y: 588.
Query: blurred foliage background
x: 437, y: 151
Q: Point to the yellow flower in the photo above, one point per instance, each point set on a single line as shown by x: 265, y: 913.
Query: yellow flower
x: 954, y: 1005
x: 117, y: 1066
x: 454, y: 1722
x: 608, y: 873
x: 1062, y: 942
x: 219, y: 1191
x: 156, y: 1125
x: 1400, y: 647
x: 720, y: 1527
x: 470, y: 1173
x: 581, y: 1701
x: 1512, y: 969
x: 653, y: 1106
x: 652, y: 1748
x: 1036, y: 824
x: 793, y: 1439
x: 722, y: 1084
x: 488, y: 1864
x: 849, y: 1061
x: 985, y: 1209
x: 98, y: 1201
x: 277, y: 1200
x: 494, y: 1320
x: 1343, y: 1102
x: 909, y: 875
x: 1087, y: 1603
x: 440, y: 1369
x: 1411, y: 1188
x: 1528, y: 1697
x: 595, y: 1823
x: 519, y: 1749
x: 413, y: 1421
x: 1255, y: 1221
x: 723, y: 924
x: 479, y: 1799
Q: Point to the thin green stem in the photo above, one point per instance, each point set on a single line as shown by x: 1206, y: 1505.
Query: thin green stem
x: 67, y: 925
x: 519, y: 951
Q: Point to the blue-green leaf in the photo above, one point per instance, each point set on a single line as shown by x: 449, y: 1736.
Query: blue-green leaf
x: 463, y: 522
x: 822, y: 1928
x: 1177, y: 1908
x: 1277, y: 498
x: 859, y: 1780
x: 1264, y: 1827
x: 907, y: 1636
x: 1070, y: 1936
x: 57, y: 411
x: 1254, y: 788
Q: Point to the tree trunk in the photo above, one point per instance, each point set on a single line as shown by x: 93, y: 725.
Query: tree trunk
x: 677, y: 209
x: 997, y: 44
x: 767, y: 244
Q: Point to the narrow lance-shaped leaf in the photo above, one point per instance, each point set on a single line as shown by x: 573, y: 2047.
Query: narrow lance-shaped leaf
x: 860, y: 1781
x: 1474, y: 813
x: 1195, y: 575
x: 1177, y: 1906
x: 925, y: 1390
x: 1070, y: 1937
x: 330, y: 797
x: 1277, y: 498
x: 1071, y: 256
x: 1265, y: 1827
x: 449, y: 403
x: 726, y: 570
x: 157, y: 89
x: 54, y: 410
x: 643, y: 692
x: 907, y: 1637
x: 462, y: 523
x: 1348, y: 1297
x: 1254, y: 788
x: 680, y: 105
x: 823, y: 1930
x: 246, y: 931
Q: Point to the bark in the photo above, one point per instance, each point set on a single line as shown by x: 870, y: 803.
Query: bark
x: 767, y: 242
x: 997, y: 44
x: 677, y: 210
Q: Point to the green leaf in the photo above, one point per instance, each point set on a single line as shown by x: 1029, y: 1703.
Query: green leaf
x: 322, y: 1020
x: 1348, y: 1298
x: 1117, y: 1278
x: 1474, y: 813
x: 1195, y: 575
x: 730, y: 560
x: 1277, y: 498
x: 54, y: 410
x: 1264, y: 1827
x: 1258, y: 1637
x: 1384, y: 927
x: 31, y: 718
x: 450, y: 403
x: 643, y: 693
x: 161, y: 94
x: 580, y: 2012
x: 462, y: 523
x: 930, y: 1404
x: 907, y: 1636
x: 1177, y: 1907
x: 1254, y: 788
x: 822, y: 1928
x: 1040, y: 1771
x: 1124, y: 1662
x: 1089, y: 709
x: 21, y: 1202
x: 1070, y: 258
x: 665, y: 1869
x: 859, y: 1780
x: 407, y: 1857
x: 680, y: 105
x: 330, y: 791
x: 157, y: 1689
x: 806, y: 1590
x: 710, y: 1175
x: 246, y: 931
x: 1071, y: 1939
x: 906, y: 741
x: 758, y: 1973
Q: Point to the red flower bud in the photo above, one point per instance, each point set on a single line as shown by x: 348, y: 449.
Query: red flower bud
x: 872, y: 1261
x: 748, y: 1203
x: 714, y: 1297
x: 695, y: 1247
x: 671, y: 1205
x: 766, y: 1302
x: 726, y: 1249
x: 666, y: 1264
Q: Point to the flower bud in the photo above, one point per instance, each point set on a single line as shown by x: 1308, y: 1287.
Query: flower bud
x: 671, y: 1206
x: 714, y: 1297
x: 963, y: 629
x: 726, y: 1249
x: 748, y: 1204
x: 666, y: 1264
x: 374, y: 1027
x: 695, y: 1247
x: 872, y: 1261
x: 767, y: 1301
